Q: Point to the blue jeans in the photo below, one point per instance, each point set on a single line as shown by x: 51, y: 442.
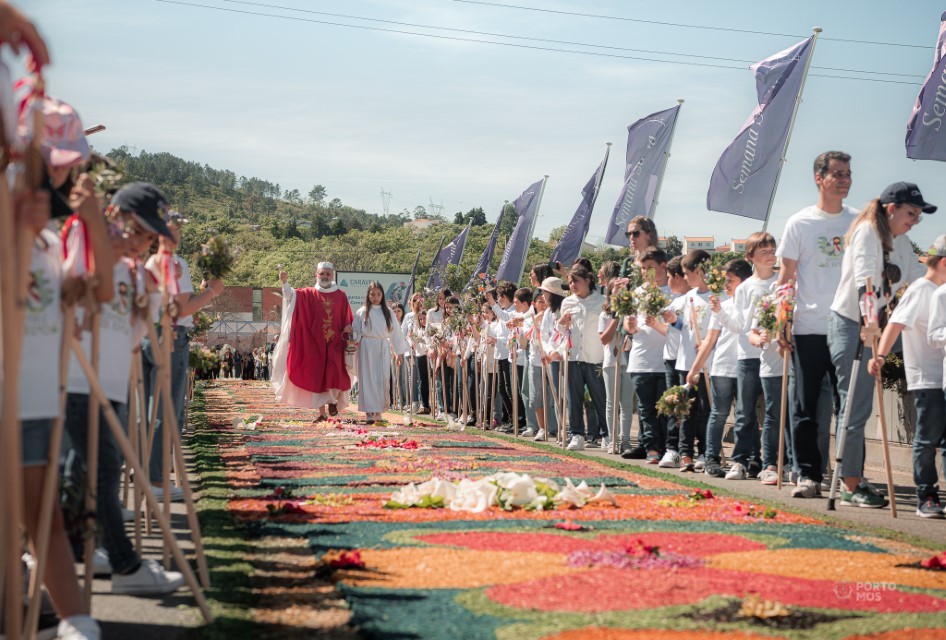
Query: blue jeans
x: 648, y: 387
x: 724, y: 392
x: 746, y: 426
x: 930, y: 433
x: 693, y: 428
x: 108, y: 505
x: 771, y: 425
x: 581, y: 375
x: 625, y: 402
x: 149, y: 372
x: 843, y: 338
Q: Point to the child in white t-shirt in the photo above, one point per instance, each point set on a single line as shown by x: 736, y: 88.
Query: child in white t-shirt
x: 921, y: 317
x: 720, y: 348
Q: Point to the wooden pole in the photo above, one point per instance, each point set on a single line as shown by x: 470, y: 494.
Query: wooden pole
x: 891, y: 490
x: 783, y: 415
x: 92, y: 467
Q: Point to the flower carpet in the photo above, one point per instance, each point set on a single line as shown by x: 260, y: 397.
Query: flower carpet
x: 664, y: 559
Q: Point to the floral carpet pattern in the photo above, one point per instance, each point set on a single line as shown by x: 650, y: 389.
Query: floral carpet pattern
x: 668, y: 561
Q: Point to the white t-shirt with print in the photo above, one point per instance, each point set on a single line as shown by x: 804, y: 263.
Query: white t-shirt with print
x: 42, y: 331
x: 672, y: 342
x: 116, y: 340
x: 936, y: 328
x: 184, y: 283
x: 724, y: 361
x: 616, y: 341
x: 815, y: 240
x: 695, y: 313
x: 648, y: 349
x: 923, y: 362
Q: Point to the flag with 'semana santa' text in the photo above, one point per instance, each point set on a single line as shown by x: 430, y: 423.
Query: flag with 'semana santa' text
x: 926, y: 139
x: 745, y: 177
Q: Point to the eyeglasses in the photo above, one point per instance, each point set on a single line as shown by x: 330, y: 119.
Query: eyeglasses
x: 633, y: 234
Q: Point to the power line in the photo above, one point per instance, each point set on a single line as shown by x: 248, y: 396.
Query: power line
x: 682, y: 25
x: 496, y: 43
x: 547, y: 40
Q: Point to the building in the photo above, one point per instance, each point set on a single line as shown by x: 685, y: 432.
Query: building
x: 245, y: 317
x: 706, y: 243
x: 421, y: 224
x: 738, y: 244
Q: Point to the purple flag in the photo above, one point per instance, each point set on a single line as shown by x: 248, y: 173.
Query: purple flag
x: 569, y: 246
x: 482, y: 267
x: 747, y: 173
x: 410, y: 284
x: 448, y: 255
x: 514, y: 257
x: 648, y: 142
x: 925, y: 137
x: 436, y: 266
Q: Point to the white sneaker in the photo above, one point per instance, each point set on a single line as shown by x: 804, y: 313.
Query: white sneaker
x: 149, y: 580
x: 177, y: 494
x: 80, y: 627
x: 528, y: 433
x: 700, y: 463
x: 769, y: 476
x: 577, y: 443
x: 736, y: 472
x: 671, y: 460
x: 100, y: 564
x: 540, y: 436
x: 605, y: 444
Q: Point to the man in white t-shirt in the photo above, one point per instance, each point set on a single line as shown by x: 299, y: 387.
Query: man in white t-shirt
x: 811, y: 249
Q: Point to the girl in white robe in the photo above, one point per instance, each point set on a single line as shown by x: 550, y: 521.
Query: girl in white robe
x: 377, y: 332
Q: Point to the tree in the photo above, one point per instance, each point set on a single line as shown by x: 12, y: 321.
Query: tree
x: 555, y: 235
x: 317, y: 194
x: 476, y: 217
x: 674, y: 247
x: 419, y: 212
x: 293, y: 196
x: 510, y: 218
x: 459, y: 218
x: 335, y: 205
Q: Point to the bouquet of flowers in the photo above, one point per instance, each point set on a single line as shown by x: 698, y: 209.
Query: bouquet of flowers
x: 785, y: 295
x: 457, y: 321
x: 651, y: 300
x: 484, y: 282
x: 435, y: 332
x: 715, y: 278
x: 215, y: 260
x: 623, y: 303
x: 766, y: 312
x: 675, y: 403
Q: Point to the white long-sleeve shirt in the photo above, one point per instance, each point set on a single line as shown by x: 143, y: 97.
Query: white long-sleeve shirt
x: 584, y: 312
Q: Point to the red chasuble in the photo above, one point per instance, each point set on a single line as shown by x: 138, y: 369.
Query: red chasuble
x: 316, y: 357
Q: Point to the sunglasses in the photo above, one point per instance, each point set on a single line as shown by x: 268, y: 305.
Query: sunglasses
x: 633, y: 234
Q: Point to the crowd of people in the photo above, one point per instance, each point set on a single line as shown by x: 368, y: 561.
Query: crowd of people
x: 247, y: 365
x: 555, y: 360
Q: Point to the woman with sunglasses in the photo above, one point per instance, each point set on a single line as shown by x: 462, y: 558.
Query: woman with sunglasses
x: 877, y: 248
x: 641, y: 235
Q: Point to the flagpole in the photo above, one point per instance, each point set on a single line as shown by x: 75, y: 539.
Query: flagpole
x: 535, y: 216
x: 663, y: 168
x: 791, y: 125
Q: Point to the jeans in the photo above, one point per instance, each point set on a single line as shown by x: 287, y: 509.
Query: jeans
x: 811, y: 361
x: 149, y: 372
x: 502, y: 410
x: 625, y: 401
x: 843, y: 338
x: 652, y: 428
x: 930, y: 433
x: 108, y: 505
x: 747, y: 419
x: 581, y: 375
x: 422, y: 382
x: 674, y: 378
x: 724, y: 392
x: 771, y: 425
x: 528, y: 390
x: 443, y: 387
x: 694, y: 425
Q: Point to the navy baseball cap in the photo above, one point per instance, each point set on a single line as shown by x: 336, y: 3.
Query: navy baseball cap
x: 906, y: 193
x: 146, y: 202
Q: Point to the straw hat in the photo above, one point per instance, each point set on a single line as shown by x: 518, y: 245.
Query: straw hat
x: 554, y: 285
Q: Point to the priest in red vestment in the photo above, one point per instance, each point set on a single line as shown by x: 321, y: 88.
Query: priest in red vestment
x: 309, y: 363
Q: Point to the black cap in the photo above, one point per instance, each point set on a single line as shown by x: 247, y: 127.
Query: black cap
x: 906, y: 193
x: 147, y: 203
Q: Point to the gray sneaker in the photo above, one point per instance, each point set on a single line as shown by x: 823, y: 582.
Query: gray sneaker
x: 930, y: 508
x: 807, y: 488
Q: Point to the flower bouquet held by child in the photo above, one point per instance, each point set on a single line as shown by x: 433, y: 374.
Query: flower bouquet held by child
x: 715, y: 278
x: 623, y: 303
x: 215, y: 259
x: 675, y: 402
x: 651, y: 300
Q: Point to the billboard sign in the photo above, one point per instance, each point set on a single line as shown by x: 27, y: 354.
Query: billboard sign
x: 355, y: 285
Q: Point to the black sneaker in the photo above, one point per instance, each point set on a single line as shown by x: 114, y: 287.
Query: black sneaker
x: 753, y: 469
x: 637, y: 453
x: 714, y: 469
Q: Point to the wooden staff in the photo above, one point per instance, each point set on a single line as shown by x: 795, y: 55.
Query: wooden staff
x: 163, y: 523
x: 135, y: 426
x: 49, y: 499
x: 879, y: 388
x: 545, y: 383
x: 514, y: 391
x: 563, y: 393
x: 92, y: 466
x: 783, y: 411
x: 134, y: 374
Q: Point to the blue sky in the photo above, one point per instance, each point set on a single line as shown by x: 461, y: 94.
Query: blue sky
x: 468, y: 124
